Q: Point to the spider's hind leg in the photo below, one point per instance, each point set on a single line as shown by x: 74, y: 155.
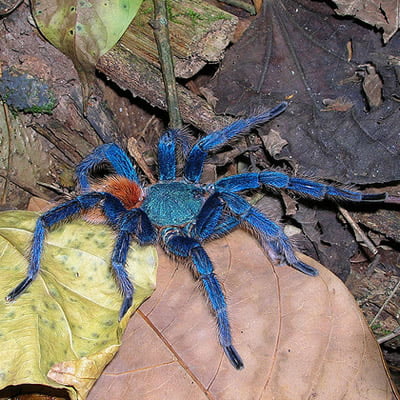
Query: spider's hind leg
x: 185, y: 246
x: 272, y: 237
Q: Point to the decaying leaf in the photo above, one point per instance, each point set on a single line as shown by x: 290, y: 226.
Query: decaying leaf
x: 372, y: 85
x: 384, y: 15
x: 299, y: 337
x: 84, y: 30
x: 64, y: 329
x: 274, y: 143
x: 340, y: 104
x: 299, y: 49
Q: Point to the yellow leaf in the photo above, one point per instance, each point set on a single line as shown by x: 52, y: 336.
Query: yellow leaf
x: 69, y: 315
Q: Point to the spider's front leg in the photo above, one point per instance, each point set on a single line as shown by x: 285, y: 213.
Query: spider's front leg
x: 302, y: 186
x: 132, y: 223
x: 199, y: 152
x: 184, y: 246
x: 110, y: 153
x: 46, y: 220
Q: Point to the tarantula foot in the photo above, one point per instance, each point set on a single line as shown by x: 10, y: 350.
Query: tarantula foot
x: 126, y: 305
x: 305, y: 268
x: 233, y: 357
x: 18, y: 290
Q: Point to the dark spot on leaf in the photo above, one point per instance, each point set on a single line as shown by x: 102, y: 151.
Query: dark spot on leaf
x: 11, y: 314
x: 95, y: 335
x: 71, y: 32
x: 100, y: 245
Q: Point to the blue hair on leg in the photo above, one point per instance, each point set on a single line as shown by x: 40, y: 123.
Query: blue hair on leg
x: 208, y: 218
x: 270, y: 233
x: 110, y: 153
x: 227, y: 224
x: 133, y: 223
x: 302, y: 186
x: 118, y: 260
x: 46, y: 220
x: 199, y: 152
x: 189, y: 247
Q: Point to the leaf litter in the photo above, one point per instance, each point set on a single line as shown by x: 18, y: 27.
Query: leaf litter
x: 64, y: 329
x: 171, y: 360
x: 342, y: 123
x: 299, y: 337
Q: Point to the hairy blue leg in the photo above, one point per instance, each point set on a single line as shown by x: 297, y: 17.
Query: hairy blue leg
x: 306, y: 187
x: 198, y: 153
x: 270, y: 233
x: 46, y: 220
x: 227, y: 224
x: 133, y: 223
x: 184, y: 246
x: 110, y: 153
x: 167, y: 152
x: 208, y: 218
x: 211, y: 221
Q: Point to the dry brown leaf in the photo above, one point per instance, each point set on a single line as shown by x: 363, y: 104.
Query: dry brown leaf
x: 382, y: 14
x: 39, y: 204
x: 299, y: 337
x: 372, y: 85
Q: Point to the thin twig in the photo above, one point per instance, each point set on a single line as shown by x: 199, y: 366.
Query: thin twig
x: 373, y: 264
x: 358, y: 231
x: 53, y: 187
x: 390, y: 336
x: 384, y: 304
x: 143, y: 131
x: 10, y: 135
x: 161, y: 34
x: 137, y: 155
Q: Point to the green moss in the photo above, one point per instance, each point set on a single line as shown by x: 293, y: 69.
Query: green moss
x: 26, y: 93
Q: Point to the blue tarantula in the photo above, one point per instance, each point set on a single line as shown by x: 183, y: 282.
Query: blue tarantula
x: 181, y: 213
